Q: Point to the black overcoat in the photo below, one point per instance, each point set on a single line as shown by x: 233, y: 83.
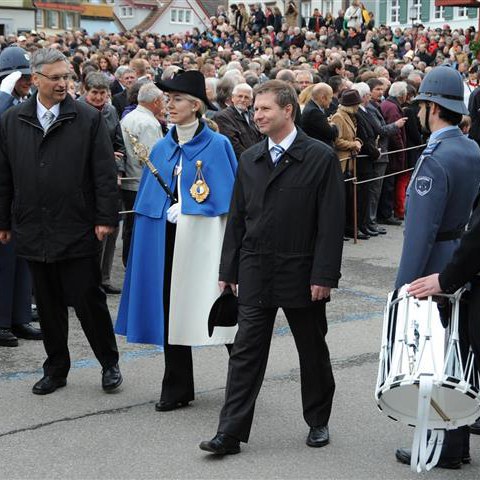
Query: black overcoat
x: 315, y: 124
x: 285, y: 225
x: 61, y: 184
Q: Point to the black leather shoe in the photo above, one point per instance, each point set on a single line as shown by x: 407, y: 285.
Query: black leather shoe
x: 360, y: 235
x: 48, y: 385
x: 377, y: 229
x: 367, y: 231
x: 162, y: 406
x: 404, y: 455
x: 390, y: 221
x: 221, y: 444
x: 111, y: 378
x: 7, y: 338
x: 475, y: 427
x: 109, y: 290
x: 318, y: 437
x: 27, y: 331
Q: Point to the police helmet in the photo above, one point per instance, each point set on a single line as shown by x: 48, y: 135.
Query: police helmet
x: 443, y: 85
x: 14, y: 59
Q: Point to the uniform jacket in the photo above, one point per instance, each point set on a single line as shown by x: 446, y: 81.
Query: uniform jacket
x: 439, y: 199
x: 285, y: 224
x: 315, y: 124
x: 381, y: 128
x: 62, y: 183
x: 465, y: 264
x: 347, y: 134
x: 143, y: 124
x: 218, y: 169
x: 236, y: 128
x: 391, y: 112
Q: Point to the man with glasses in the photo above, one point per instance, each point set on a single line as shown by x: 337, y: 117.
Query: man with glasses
x: 57, y: 168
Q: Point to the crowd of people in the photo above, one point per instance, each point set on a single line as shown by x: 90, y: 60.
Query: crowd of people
x: 187, y: 101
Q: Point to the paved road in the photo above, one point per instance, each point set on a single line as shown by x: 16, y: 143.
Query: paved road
x: 81, y: 433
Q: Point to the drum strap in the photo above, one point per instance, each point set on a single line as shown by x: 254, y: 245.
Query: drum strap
x: 425, y: 447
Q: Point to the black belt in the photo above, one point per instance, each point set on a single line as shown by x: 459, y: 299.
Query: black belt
x: 451, y: 235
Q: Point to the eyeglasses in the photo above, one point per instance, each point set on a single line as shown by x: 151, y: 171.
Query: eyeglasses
x: 56, y: 78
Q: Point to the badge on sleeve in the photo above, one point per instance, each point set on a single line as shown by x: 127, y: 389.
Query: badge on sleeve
x: 423, y: 185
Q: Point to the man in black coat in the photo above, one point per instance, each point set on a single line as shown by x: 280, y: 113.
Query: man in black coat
x: 57, y: 168
x: 236, y: 121
x: 314, y: 117
x: 283, y: 247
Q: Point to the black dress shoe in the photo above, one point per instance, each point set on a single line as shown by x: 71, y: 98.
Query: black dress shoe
x: 111, y: 378
x: 390, y: 221
x: 7, y: 338
x: 318, y: 437
x: 221, y: 444
x: 404, y: 455
x: 48, y: 385
x: 367, y: 231
x: 109, y: 290
x: 27, y: 331
x: 377, y: 229
x: 475, y: 427
x: 360, y: 235
x: 163, y: 406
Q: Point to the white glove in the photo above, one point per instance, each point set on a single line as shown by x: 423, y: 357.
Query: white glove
x: 173, y: 212
x: 8, y: 83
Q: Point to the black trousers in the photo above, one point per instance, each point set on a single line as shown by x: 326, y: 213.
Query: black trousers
x: 248, y: 361
x: 457, y: 442
x: 73, y: 283
x: 128, y: 198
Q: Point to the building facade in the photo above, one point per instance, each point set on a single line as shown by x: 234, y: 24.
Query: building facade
x: 57, y: 15
x: 16, y: 16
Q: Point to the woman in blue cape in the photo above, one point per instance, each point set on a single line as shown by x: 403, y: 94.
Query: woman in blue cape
x: 172, y: 273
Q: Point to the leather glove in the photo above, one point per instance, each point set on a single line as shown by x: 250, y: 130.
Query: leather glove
x: 173, y: 212
x: 8, y: 83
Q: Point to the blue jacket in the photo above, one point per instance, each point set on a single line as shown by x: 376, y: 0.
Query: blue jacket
x: 209, y: 147
x: 439, y: 199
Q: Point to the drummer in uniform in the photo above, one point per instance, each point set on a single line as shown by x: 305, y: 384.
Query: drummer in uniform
x: 438, y: 204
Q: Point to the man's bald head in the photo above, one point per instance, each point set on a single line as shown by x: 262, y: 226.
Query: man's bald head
x: 322, y: 95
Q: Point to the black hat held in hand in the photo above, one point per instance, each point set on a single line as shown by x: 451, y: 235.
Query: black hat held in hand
x: 191, y: 82
x: 224, y: 311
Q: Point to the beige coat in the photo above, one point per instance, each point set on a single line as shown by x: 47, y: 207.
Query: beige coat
x: 347, y: 131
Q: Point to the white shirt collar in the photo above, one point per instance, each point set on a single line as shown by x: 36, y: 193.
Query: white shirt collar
x: 41, y: 110
x: 286, y: 142
x: 363, y: 108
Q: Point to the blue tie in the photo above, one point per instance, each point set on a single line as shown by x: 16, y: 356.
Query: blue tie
x: 276, y: 152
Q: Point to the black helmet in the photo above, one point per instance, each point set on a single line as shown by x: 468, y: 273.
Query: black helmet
x: 14, y: 59
x: 443, y: 85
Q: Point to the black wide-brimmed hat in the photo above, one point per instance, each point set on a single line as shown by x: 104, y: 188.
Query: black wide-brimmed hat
x: 224, y: 311
x: 191, y: 82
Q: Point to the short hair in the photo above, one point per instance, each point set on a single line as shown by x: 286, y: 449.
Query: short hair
x: 211, y: 83
x: 335, y: 82
x: 374, y: 83
x: 96, y: 80
x: 170, y: 72
x: 242, y: 86
x: 398, y: 89
x: 303, y: 72
x: 286, y: 76
x: 122, y: 70
x: 362, y: 88
x: 224, y: 90
x: 453, y: 118
x: 148, y: 93
x: 46, y: 56
x: 284, y: 93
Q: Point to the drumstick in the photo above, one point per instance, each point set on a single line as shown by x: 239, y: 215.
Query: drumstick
x: 437, y: 408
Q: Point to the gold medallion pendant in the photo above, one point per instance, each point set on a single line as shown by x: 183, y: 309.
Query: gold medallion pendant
x: 199, y: 190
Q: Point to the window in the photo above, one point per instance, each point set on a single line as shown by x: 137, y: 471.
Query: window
x: 438, y: 13
x: 462, y: 12
x: 39, y: 18
x: 327, y: 6
x: 69, y: 21
x: 52, y: 19
x: 126, y: 12
x: 395, y: 11
x: 181, y: 15
x: 306, y: 9
x: 416, y: 11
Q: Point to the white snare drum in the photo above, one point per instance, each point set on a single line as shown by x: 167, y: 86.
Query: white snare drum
x: 415, y: 344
